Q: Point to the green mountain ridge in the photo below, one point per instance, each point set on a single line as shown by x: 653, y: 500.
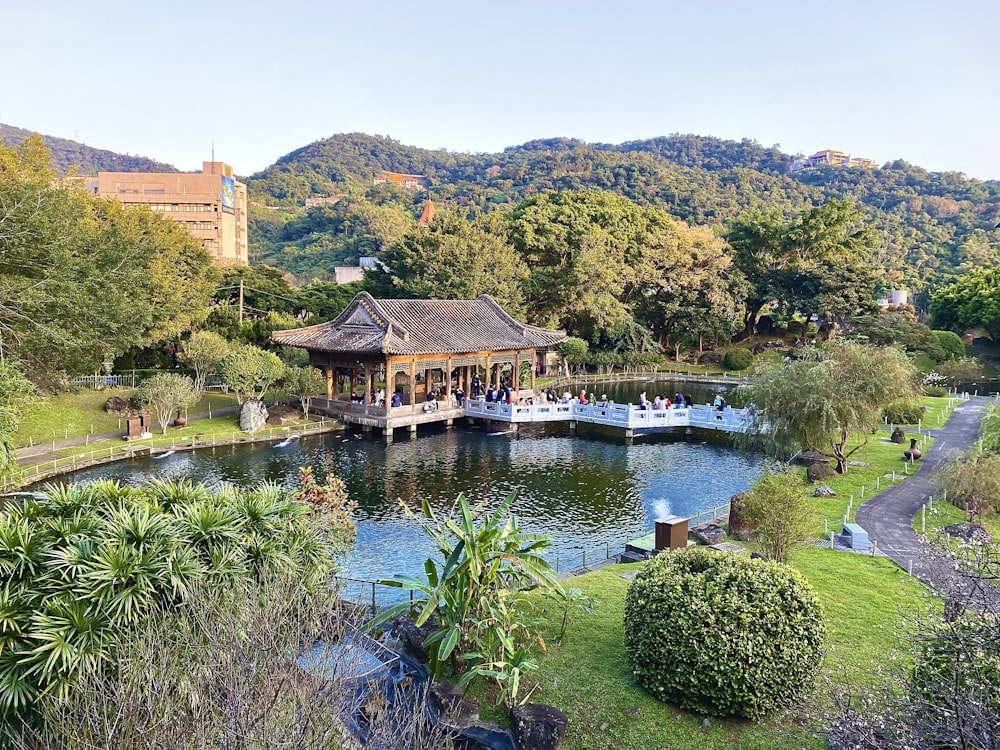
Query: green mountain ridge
x: 932, y: 226
x: 67, y: 154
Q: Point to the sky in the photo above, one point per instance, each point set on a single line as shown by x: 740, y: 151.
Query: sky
x: 886, y: 79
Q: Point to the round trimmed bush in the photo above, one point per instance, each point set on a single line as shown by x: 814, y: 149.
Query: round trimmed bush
x: 722, y: 634
x: 738, y: 359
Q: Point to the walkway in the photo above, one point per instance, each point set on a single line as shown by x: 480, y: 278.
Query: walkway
x: 888, y: 517
x: 43, y: 453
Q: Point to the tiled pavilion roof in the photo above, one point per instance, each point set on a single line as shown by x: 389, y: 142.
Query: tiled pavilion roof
x: 420, y: 326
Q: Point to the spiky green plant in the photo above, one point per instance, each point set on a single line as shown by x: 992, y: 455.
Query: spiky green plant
x: 88, y: 563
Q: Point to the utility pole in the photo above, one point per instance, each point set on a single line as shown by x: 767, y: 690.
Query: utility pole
x: 241, y: 302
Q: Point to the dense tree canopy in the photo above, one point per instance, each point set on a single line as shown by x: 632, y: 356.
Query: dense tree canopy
x: 452, y: 259
x: 972, y: 302
x: 82, y: 278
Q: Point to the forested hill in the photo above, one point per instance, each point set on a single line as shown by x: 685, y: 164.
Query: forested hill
x: 87, y: 160
x: 931, y: 226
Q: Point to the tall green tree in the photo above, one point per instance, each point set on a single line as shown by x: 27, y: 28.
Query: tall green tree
x: 202, y: 352
x: 819, y: 263
x: 451, y: 259
x: 250, y: 371
x: 971, y: 302
x: 83, y: 278
x: 822, y: 401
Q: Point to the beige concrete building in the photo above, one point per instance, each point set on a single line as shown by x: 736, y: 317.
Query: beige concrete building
x: 211, y: 205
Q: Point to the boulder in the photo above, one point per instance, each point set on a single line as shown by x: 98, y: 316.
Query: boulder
x: 817, y: 472
x: 898, y: 436
x: 253, y: 415
x: 738, y: 528
x: 970, y: 533
x: 710, y: 358
x: 538, y: 727
x: 709, y: 534
x: 116, y: 405
x: 452, y: 706
x: 410, y: 636
x: 824, y: 491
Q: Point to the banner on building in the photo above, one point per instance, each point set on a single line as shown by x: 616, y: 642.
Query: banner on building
x: 228, y: 195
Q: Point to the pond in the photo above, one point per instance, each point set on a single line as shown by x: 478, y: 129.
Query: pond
x: 591, y: 492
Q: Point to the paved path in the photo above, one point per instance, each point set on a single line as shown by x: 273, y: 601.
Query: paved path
x: 43, y: 452
x: 888, y: 517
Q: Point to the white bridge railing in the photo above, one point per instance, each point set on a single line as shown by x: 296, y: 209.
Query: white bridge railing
x: 626, y: 416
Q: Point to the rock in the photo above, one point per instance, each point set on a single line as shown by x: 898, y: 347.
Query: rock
x: 116, y: 405
x: 452, y: 706
x: 817, y: 472
x: 253, y: 415
x: 824, y: 491
x: 710, y: 358
x: 969, y: 533
x: 538, y: 727
x: 410, y: 636
x: 775, y: 344
x: 738, y: 528
x: 710, y: 533
x: 898, y: 436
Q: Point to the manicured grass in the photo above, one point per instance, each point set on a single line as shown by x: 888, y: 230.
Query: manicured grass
x: 81, y: 412
x: 860, y: 482
x: 588, y: 676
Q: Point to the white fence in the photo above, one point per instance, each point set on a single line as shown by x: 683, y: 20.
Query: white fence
x: 626, y: 416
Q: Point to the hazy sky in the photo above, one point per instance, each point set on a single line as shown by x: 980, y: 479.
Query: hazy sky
x: 886, y: 79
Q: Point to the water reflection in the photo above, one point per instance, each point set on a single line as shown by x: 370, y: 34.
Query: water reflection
x: 590, y: 492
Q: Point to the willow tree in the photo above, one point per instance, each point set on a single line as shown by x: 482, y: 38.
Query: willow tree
x: 820, y: 402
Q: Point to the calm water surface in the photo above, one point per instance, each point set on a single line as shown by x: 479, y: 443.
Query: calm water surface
x: 590, y: 492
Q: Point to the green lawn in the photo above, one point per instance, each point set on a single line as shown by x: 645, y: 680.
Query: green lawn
x: 861, y: 482
x: 81, y: 412
x: 587, y: 676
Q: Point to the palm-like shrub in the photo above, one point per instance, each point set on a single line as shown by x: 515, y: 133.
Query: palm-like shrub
x: 87, y: 563
x: 722, y: 634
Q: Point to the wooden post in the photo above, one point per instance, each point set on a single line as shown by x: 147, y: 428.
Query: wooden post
x: 534, y: 364
x: 447, y: 383
x: 413, y: 382
x: 329, y: 383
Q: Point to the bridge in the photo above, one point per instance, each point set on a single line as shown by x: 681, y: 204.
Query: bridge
x: 629, y: 417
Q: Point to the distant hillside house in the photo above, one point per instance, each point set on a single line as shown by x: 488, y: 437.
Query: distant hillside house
x: 211, y: 205
x: 408, y: 181
x: 831, y: 157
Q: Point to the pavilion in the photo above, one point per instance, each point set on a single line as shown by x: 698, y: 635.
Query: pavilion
x: 407, y: 343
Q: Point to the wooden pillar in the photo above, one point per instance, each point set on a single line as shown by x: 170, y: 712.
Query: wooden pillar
x: 534, y: 364
x: 517, y: 373
x: 447, y: 384
x: 329, y: 382
x: 354, y: 380
x: 487, y: 374
x: 369, y: 382
x: 413, y: 382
